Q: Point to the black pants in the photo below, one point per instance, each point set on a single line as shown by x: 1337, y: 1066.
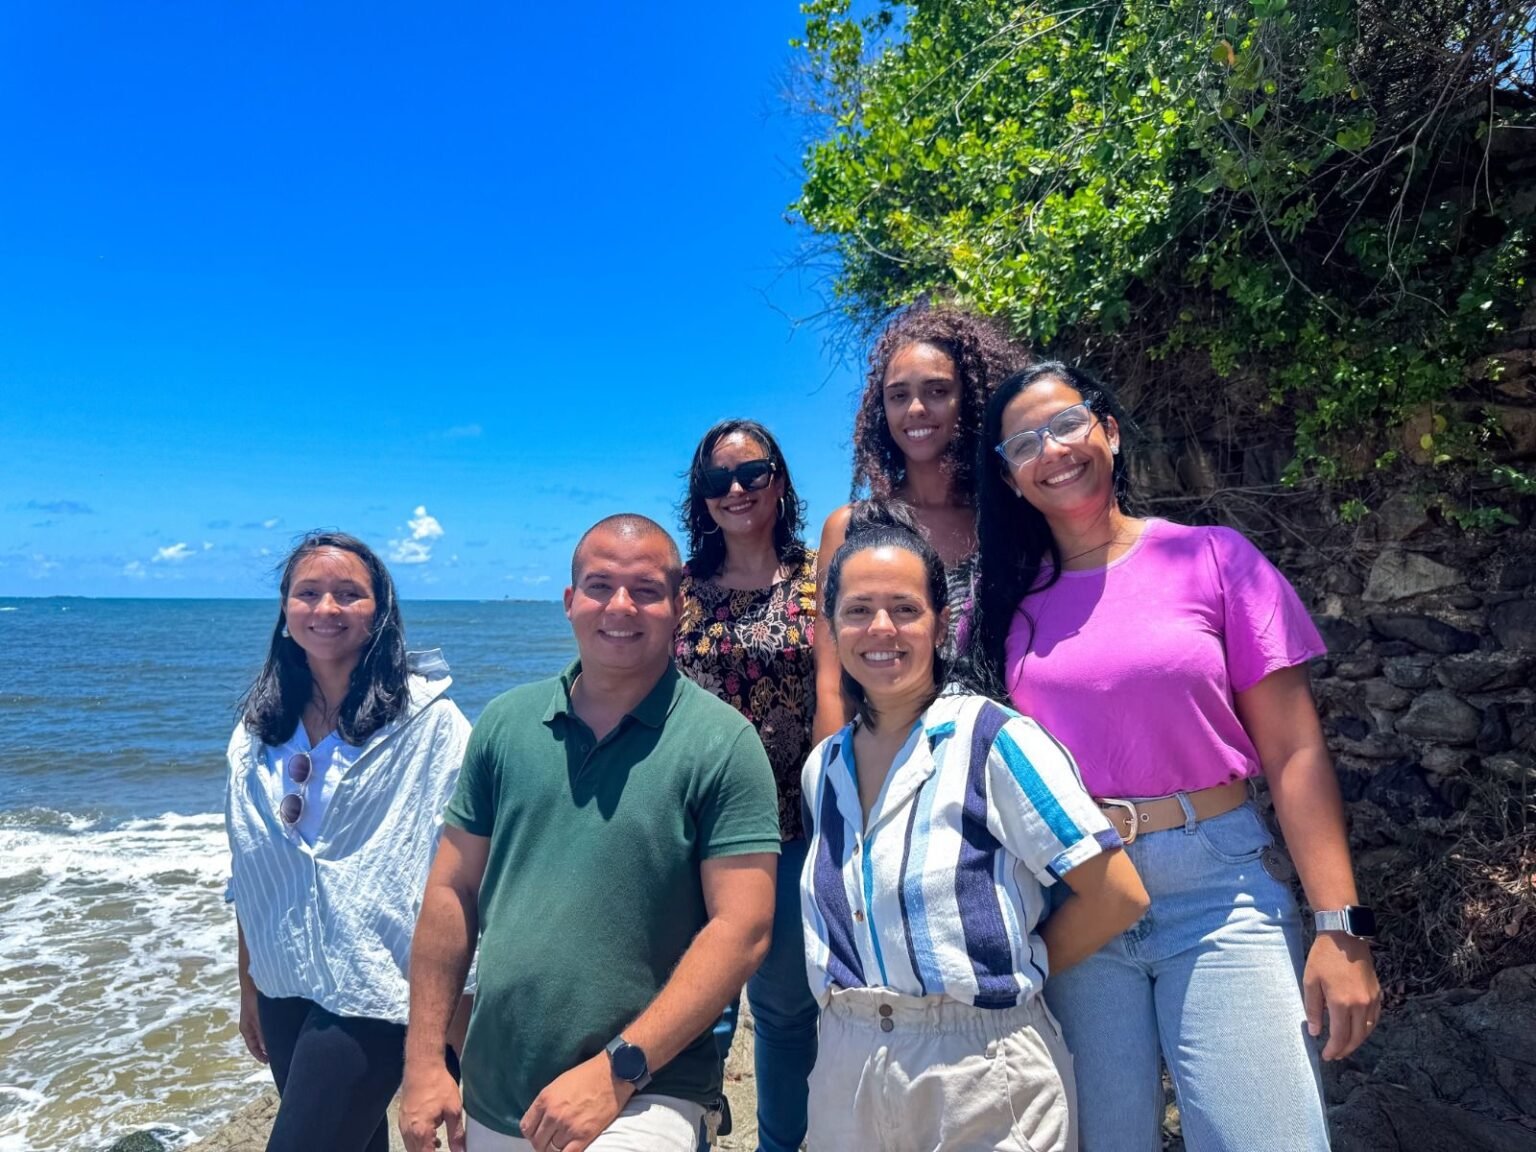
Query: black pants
x: 336, y: 1076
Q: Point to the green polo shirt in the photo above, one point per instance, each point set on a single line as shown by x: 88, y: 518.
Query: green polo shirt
x: 591, y: 892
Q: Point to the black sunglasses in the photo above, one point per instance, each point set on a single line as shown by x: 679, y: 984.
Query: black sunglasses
x: 752, y: 476
x: 292, y: 806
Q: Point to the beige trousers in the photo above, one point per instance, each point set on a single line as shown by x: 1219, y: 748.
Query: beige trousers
x: 905, y: 1074
x: 647, y: 1124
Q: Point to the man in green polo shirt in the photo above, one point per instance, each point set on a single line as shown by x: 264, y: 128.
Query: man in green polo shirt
x: 611, y: 842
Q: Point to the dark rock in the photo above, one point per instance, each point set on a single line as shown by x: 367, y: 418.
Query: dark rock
x: 1494, y: 735
x: 1357, y: 667
x: 1425, y: 632
x: 1352, y: 784
x: 1513, y: 575
x: 1349, y: 727
x: 1386, y: 648
x: 1466, y: 601
x: 145, y: 1141
x: 1384, y: 694
x: 1398, y: 518
x: 1401, y: 791
x: 1438, y: 760
x: 1486, y: 671
x: 1343, y: 581
x: 1398, y: 575
x: 1441, y: 717
x: 1514, y: 625
x: 1375, y: 746
x: 1409, y: 671
x: 1515, y: 767
x: 1446, y: 1073
x: 1341, y: 636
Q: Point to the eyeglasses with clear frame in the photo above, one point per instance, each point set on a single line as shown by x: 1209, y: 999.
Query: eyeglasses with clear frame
x: 1069, y: 426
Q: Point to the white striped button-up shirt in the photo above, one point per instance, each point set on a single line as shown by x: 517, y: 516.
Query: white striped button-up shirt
x: 332, y: 921
x: 941, y: 891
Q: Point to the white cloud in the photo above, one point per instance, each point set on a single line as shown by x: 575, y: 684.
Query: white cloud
x: 273, y: 522
x: 173, y: 553
x: 135, y: 569
x: 207, y: 544
x: 424, y: 527
x: 418, y: 549
x: 535, y: 579
x: 462, y: 432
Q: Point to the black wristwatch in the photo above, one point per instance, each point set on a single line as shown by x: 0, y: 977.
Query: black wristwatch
x: 1352, y: 920
x: 628, y: 1062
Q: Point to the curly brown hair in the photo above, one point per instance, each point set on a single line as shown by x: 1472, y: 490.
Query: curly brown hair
x: 983, y: 356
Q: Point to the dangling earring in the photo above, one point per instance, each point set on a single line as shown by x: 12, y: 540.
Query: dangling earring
x: 1114, y: 449
x: 710, y: 531
x: 284, y: 632
x: 781, y: 507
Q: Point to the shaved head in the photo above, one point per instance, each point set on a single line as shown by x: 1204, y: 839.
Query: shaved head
x: 631, y: 528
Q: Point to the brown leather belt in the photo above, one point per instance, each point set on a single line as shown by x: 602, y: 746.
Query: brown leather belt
x: 1133, y: 818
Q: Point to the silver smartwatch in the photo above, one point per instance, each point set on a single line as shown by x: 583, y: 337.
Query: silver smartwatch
x: 1353, y: 920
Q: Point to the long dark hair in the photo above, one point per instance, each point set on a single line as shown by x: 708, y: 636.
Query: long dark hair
x: 982, y: 356
x: 706, y: 544
x: 1014, y: 545
x: 377, y: 691
x: 881, y: 524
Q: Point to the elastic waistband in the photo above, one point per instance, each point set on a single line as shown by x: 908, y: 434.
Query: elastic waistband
x: 877, y: 1008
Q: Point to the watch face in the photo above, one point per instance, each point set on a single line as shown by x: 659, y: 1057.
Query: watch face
x: 628, y: 1062
x: 1361, y: 921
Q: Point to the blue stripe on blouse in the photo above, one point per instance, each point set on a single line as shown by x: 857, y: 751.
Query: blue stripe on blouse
x: 986, y: 933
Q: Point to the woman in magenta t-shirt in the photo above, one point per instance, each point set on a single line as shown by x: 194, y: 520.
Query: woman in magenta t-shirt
x: 1171, y: 661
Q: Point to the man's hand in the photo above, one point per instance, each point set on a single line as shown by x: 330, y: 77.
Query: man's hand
x: 576, y: 1108
x: 1341, y: 977
x: 429, y: 1100
x: 250, y: 1024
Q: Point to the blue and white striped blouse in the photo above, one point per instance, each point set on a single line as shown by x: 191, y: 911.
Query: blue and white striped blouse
x: 332, y: 921
x: 941, y: 893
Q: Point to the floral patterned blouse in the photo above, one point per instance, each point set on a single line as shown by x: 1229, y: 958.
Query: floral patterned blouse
x: 752, y: 648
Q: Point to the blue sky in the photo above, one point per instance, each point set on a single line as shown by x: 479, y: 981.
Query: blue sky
x: 460, y: 279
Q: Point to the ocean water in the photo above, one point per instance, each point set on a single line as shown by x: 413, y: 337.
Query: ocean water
x: 118, y: 1000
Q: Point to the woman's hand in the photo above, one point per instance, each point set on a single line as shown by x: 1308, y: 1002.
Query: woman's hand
x: 1341, y: 977
x: 250, y: 1024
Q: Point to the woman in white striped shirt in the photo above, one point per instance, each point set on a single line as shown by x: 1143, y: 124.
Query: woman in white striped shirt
x: 338, y: 772
x: 937, y: 821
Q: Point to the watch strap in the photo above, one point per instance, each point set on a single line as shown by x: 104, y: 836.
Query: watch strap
x: 1334, y: 921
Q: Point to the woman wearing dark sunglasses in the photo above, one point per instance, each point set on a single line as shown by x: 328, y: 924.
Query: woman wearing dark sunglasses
x: 1171, y: 660
x: 749, y: 599
x: 914, y: 441
x: 338, y: 770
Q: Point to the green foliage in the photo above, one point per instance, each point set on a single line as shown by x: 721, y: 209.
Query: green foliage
x: 1308, y: 208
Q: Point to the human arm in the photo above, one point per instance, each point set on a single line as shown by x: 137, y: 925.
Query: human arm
x: 250, y: 1018
x: 441, y: 948
x: 1107, y: 898
x: 832, y: 710
x: 1340, y: 975
x: 576, y: 1107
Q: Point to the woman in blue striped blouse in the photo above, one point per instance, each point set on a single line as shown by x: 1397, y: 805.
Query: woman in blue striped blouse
x: 338, y: 773
x: 936, y: 823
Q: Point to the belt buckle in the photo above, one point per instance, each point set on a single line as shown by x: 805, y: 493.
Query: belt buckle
x: 1130, y: 808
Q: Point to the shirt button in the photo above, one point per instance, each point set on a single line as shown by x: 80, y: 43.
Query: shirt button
x: 885, y: 1009
x: 886, y: 1025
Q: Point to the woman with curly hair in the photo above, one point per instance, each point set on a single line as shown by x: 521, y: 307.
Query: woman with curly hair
x: 914, y: 441
x: 1172, y: 660
x: 749, y: 599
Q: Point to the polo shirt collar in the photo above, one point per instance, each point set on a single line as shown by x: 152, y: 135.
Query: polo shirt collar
x: 651, y: 711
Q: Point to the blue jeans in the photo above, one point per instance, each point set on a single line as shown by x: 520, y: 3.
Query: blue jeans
x: 1210, y: 979
x: 783, y: 1015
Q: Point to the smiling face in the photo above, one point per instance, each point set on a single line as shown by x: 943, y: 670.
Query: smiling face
x: 623, y: 607
x: 885, y: 628
x: 329, y: 608
x: 742, y: 515
x: 921, y: 393
x: 1065, y: 479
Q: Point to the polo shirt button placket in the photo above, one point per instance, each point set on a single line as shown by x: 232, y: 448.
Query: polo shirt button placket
x: 886, y: 1023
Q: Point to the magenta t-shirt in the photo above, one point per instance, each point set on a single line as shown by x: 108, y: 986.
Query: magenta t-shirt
x: 1133, y: 666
